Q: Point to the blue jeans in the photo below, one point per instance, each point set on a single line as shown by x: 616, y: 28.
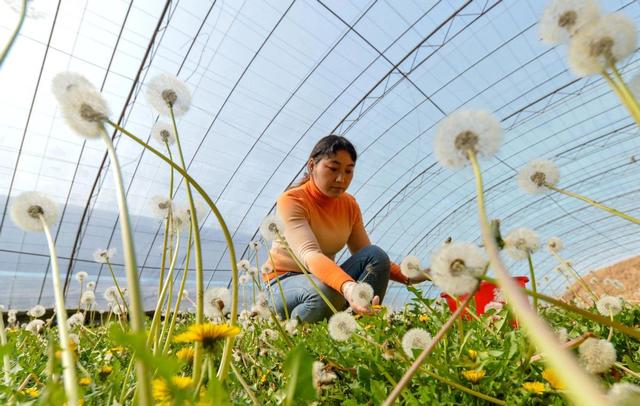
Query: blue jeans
x: 304, y: 302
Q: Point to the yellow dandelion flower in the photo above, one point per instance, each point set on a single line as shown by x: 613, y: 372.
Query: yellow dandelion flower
x: 550, y: 376
x: 207, y: 333
x: 424, y: 317
x: 32, y: 392
x: 161, y: 390
x: 474, y: 375
x: 533, y: 387
x: 186, y: 354
x: 263, y: 378
x: 118, y: 348
x: 473, y: 354
x: 106, y: 370
x: 377, y: 307
x: 368, y: 326
x: 85, y: 381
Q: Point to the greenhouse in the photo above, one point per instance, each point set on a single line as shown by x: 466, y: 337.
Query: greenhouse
x: 319, y: 202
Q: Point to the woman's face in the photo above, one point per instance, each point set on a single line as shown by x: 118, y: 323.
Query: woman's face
x: 333, y: 174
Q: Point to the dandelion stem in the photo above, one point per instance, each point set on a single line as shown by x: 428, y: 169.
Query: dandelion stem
x: 534, y: 286
x: 152, y: 339
x: 632, y: 103
x: 619, y: 90
x: 14, y: 35
x: 226, y: 354
x: 585, y: 390
x: 244, y: 385
x: 6, y: 365
x: 284, y: 301
x: 307, y: 274
x: 197, y: 359
x: 595, y: 204
x: 131, y: 267
x: 117, y: 285
x: 576, y: 276
x: 406, y: 378
x: 610, y: 328
x: 627, y: 370
x: 176, y: 309
x: 163, y: 261
x: 68, y: 360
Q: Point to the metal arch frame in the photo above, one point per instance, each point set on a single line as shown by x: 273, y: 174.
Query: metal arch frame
x: 550, y: 95
x: 384, y: 81
x: 180, y: 180
x: 313, y: 123
x: 104, y: 165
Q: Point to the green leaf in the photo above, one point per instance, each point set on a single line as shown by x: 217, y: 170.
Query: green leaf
x: 364, y: 376
x: 166, y: 367
x: 217, y: 393
x: 297, y: 366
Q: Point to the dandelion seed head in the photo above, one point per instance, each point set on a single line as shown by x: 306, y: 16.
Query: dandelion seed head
x: 415, y: 338
x: 410, y: 267
x: 555, y: 245
x: 84, y: 110
x: 161, y: 206
x: 103, y: 255
x: 624, y: 394
x: 81, y: 276
x: 268, y: 335
x: 563, y: 18
x: 361, y: 294
x: 291, y: 326
x: 597, y: 356
x: 216, y: 302
x: 466, y: 130
x: 27, y: 208
x: 341, y: 326
x: 36, y: 311
x: 244, y: 279
x: 65, y: 82
x: 254, y: 245
x: 456, y: 266
x: 88, y: 298
x: 596, y: 46
x: 164, y: 90
x: 535, y: 174
x: 163, y: 133
x: 271, y: 227
x: 609, y: 305
x: 521, y: 242
x: 320, y: 376
x: 244, y: 265
x: 91, y: 285
x: 111, y: 294
x: 76, y: 319
x: 35, y: 326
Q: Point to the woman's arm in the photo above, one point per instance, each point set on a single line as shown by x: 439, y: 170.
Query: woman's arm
x: 304, y: 244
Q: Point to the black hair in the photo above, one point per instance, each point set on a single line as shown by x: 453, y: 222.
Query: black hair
x: 327, y: 147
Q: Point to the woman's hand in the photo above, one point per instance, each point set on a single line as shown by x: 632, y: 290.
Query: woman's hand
x: 424, y: 276
x: 347, y: 292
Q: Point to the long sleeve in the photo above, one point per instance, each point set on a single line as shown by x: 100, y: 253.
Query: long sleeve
x: 304, y: 244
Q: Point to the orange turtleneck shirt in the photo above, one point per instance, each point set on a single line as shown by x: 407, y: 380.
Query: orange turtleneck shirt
x: 317, y: 227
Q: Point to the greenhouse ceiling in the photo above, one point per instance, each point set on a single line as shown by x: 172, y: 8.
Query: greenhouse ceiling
x: 270, y: 78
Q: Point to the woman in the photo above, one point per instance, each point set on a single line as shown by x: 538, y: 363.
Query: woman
x: 320, y: 218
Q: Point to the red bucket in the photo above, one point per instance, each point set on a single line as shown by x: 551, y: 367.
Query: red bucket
x: 484, y: 295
